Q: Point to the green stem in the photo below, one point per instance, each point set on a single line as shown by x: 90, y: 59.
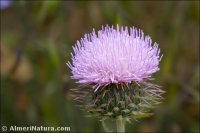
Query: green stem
x: 120, y: 124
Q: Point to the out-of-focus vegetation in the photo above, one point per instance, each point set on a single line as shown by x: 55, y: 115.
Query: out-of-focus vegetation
x: 36, y: 41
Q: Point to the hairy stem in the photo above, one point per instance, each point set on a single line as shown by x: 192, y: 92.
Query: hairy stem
x: 120, y: 124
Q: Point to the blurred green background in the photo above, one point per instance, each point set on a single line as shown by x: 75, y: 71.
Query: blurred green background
x: 36, y: 41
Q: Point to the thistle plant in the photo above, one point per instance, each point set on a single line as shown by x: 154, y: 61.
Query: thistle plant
x: 113, y: 68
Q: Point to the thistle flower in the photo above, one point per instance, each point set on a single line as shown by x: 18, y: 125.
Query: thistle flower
x: 114, y: 56
x: 117, y: 63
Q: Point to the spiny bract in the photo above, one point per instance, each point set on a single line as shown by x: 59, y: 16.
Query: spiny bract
x: 132, y: 101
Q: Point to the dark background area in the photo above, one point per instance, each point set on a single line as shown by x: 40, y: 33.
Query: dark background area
x: 36, y: 41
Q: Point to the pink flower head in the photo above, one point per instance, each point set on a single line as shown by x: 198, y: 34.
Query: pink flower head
x: 114, y: 56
